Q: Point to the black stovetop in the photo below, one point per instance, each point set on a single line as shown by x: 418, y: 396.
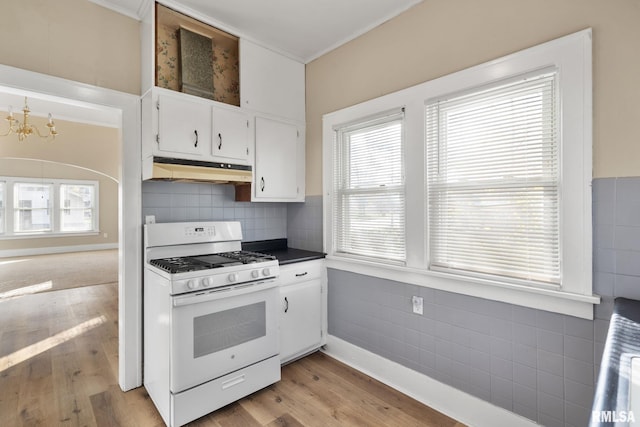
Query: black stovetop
x: 184, y: 264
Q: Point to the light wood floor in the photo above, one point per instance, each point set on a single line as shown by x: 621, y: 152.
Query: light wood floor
x: 59, y: 362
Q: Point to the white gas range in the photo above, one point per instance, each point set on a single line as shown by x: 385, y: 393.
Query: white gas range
x: 210, y: 319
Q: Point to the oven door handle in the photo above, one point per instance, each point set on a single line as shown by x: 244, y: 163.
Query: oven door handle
x: 226, y: 292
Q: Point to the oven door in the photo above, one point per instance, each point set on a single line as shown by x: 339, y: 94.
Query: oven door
x: 219, y: 331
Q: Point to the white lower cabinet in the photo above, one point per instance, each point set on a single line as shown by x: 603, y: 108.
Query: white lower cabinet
x: 302, y: 298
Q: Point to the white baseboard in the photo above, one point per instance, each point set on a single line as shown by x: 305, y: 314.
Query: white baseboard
x: 457, y: 404
x: 56, y: 250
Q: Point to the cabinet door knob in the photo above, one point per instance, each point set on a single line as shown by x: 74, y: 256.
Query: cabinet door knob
x: 196, y: 132
x: 220, y: 141
x: 262, y: 184
x: 286, y: 304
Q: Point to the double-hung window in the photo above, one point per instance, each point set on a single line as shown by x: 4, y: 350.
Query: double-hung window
x: 481, y: 186
x: 42, y: 206
x: 369, y: 193
x: 493, y: 181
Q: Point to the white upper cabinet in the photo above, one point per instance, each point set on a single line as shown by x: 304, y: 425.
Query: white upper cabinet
x: 188, y: 127
x: 230, y: 139
x: 271, y: 83
x: 279, y: 168
x: 254, y: 117
x: 184, y: 127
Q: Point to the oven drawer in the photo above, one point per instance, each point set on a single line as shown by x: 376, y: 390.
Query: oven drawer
x: 301, y: 271
x: 198, y: 401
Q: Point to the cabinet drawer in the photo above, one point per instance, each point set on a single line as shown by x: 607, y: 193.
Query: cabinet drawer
x: 301, y: 272
x: 210, y: 396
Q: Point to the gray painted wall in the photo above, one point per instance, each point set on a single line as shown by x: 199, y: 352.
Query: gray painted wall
x: 538, y: 364
x: 304, y: 224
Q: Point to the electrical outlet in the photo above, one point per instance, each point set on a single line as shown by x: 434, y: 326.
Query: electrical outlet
x: 418, y: 306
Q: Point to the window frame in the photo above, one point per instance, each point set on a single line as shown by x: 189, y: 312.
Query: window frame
x: 572, y: 57
x: 9, y: 208
x: 552, y: 181
x: 341, y: 131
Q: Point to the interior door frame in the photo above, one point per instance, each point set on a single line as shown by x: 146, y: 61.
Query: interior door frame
x: 129, y: 198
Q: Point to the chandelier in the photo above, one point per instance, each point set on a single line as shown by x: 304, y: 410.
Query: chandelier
x: 25, y: 129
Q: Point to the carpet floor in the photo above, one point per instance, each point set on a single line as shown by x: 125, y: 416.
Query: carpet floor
x: 43, y: 273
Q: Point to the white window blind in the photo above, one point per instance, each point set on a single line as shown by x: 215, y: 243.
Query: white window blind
x: 493, y: 182
x: 369, y: 193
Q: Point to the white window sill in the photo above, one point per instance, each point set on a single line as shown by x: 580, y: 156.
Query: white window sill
x: 543, y: 299
x: 48, y: 235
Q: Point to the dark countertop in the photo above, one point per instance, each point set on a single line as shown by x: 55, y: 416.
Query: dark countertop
x: 622, y: 344
x: 280, y: 249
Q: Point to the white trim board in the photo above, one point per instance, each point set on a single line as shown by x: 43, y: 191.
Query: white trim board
x: 457, y: 404
x: 56, y: 250
x: 127, y: 107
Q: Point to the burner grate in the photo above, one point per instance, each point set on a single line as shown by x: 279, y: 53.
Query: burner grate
x: 178, y: 265
x: 204, y: 262
x: 248, y: 257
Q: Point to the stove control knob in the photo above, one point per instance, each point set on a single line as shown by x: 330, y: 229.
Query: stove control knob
x: 206, y: 282
x: 266, y: 271
x: 233, y: 277
x: 192, y: 284
x: 255, y: 274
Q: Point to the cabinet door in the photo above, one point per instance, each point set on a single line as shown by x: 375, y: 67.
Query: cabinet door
x: 300, y: 319
x: 277, y: 160
x: 184, y: 126
x: 271, y: 83
x: 230, y: 135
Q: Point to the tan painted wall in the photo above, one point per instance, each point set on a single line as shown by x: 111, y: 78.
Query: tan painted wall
x: 80, y: 152
x: 73, y: 39
x: 439, y: 37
